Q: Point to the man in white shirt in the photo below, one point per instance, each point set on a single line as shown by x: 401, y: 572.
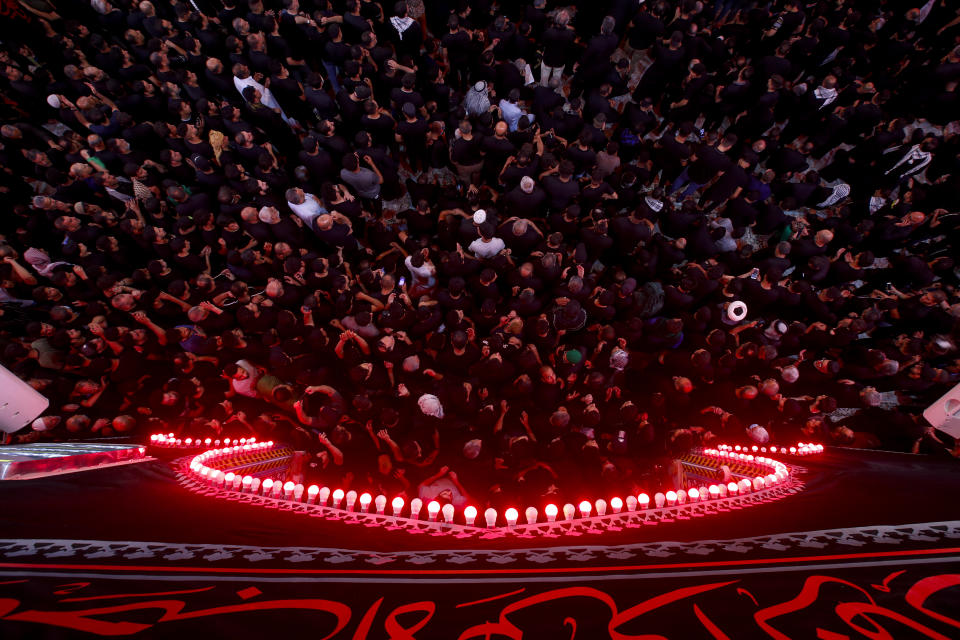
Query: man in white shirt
x: 487, y: 245
x: 305, y: 206
x: 242, y: 79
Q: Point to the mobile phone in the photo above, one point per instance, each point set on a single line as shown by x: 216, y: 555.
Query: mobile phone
x: 402, y: 281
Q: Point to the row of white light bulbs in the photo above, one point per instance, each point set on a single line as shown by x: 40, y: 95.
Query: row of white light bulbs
x: 170, y: 440
x: 320, y: 495
x: 802, y: 449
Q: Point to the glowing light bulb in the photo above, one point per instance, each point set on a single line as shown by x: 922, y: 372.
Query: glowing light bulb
x: 312, y: 492
x: 380, y: 503
x: 323, y: 496
x: 643, y: 501
x: 397, y: 505
x: 267, y: 486
x: 288, y: 488
x: 616, y: 504
x: 448, y: 513
x: 585, y: 508
x: 490, y: 515
x: 512, y: 515
x: 415, y: 506
x: 601, y: 506
x: 470, y: 515
x: 736, y: 448
x: 226, y: 441
x: 659, y: 499
x: 714, y: 492
x: 531, y: 514
x: 247, y: 481
x: 337, y: 498
x: 732, y: 488
x: 228, y: 479
x: 694, y: 494
x: 351, y: 499
x: 671, y: 498
x: 757, y: 484
x: 433, y: 508
x: 207, y: 442
x: 551, y: 511
x: 793, y: 450
x: 568, y: 511
x: 365, y: 500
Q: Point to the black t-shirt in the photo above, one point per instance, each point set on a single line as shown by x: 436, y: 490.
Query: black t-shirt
x: 320, y: 165
x: 414, y: 133
x: 558, y: 44
x: 339, y: 235
x: 560, y: 193
x: 458, y: 46
x: 380, y: 128
x: 466, y: 152
x: 708, y: 164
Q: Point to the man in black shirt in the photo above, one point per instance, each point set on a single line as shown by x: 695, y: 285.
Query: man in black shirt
x: 558, y: 45
x: 706, y: 163
x: 466, y: 153
x: 562, y: 190
x: 412, y: 132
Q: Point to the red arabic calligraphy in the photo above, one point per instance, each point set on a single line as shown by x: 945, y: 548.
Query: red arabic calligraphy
x: 853, y: 605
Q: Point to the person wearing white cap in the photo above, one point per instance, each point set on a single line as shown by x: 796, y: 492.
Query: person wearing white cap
x: 430, y: 405
x: 46, y: 423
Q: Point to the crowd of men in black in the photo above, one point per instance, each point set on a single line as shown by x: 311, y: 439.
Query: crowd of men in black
x: 473, y: 251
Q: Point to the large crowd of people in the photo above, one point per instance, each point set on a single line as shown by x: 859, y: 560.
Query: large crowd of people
x: 471, y: 250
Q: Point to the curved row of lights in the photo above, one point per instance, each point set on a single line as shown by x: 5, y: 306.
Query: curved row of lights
x: 204, y: 468
x: 170, y: 441
x: 802, y: 449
